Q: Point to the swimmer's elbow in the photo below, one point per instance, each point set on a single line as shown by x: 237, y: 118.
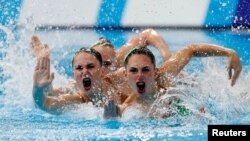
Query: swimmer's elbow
x: 40, y: 103
x: 52, y: 106
x: 46, y: 104
x: 189, y: 50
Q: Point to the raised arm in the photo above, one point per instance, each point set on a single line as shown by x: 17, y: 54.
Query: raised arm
x: 176, y: 63
x: 146, y: 37
x: 43, y: 89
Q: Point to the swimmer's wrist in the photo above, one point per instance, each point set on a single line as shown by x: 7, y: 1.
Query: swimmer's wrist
x: 42, y: 86
x: 230, y: 52
x: 45, y: 90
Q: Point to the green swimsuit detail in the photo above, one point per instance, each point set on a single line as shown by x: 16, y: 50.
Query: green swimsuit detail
x: 181, y: 109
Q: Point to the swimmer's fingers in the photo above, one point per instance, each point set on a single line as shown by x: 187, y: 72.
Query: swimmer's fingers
x: 35, y: 42
x: 37, y: 65
x: 44, y: 64
x: 40, y: 64
x: 50, y: 75
x: 235, y: 76
x: 38, y: 49
x: 36, y: 46
x: 46, y: 52
x: 47, y: 64
x: 234, y: 66
x: 35, y: 39
x: 229, y: 73
x: 106, y: 111
x: 115, y: 110
x: 111, y: 110
x: 111, y: 107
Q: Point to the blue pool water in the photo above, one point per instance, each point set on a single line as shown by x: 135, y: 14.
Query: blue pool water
x: 21, y: 120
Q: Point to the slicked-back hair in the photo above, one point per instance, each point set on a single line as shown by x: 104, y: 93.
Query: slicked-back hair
x: 102, y: 42
x: 91, y: 51
x: 139, y: 50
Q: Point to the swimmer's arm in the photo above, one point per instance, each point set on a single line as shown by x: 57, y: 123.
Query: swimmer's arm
x: 154, y: 38
x: 42, y: 88
x: 39, y: 95
x: 53, y: 103
x: 60, y: 91
x: 57, y: 103
x: 127, y: 103
x: 146, y: 37
x: 115, y: 77
x: 42, y: 84
x: 177, y: 62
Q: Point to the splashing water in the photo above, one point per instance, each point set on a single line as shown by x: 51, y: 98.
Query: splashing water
x: 22, y: 120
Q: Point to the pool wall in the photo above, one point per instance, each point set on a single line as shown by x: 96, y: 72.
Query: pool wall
x: 126, y: 13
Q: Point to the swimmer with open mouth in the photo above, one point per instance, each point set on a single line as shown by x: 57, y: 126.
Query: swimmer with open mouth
x: 86, y: 83
x: 141, y: 87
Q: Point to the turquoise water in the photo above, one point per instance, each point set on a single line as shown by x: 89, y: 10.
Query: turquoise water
x: 21, y: 120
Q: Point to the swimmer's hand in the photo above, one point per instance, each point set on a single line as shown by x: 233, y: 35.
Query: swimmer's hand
x: 38, y: 49
x: 42, y: 75
x: 111, y: 110
x: 234, y: 67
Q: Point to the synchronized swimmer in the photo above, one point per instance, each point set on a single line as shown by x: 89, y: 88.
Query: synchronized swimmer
x: 144, y: 80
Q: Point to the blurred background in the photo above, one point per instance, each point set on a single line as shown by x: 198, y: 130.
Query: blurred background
x: 61, y: 14
x: 126, y: 13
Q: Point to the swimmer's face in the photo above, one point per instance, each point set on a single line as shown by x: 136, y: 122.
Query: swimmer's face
x: 87, y: 71
x: 140, y: 73
x: 108, y: 55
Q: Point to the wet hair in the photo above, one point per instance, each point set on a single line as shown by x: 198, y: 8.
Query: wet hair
x: 139, y: 50
x: 90, y: 51
x: 102, y: 42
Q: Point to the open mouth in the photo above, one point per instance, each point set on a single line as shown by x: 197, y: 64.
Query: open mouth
x: 86, y: 83
x: 140, y: 87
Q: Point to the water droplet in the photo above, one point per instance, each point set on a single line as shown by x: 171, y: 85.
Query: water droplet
x: 224, y: 4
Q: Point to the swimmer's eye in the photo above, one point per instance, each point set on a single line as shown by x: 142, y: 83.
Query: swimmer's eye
x: 107, y: 63
x: 79, y: 67
x: 133, y: 70
x: 145, y: 69
x: 90, y: 66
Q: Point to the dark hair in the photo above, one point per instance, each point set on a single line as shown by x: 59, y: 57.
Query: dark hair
x: 139, y: 50
x: 90, y: 51
x: 102, y: 42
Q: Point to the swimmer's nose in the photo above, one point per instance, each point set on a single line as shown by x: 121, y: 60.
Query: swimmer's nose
x: 85, y: 71
x: 140, y: 75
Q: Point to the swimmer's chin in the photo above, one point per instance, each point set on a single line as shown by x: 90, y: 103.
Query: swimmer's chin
x: 87, y: 88
x: 141, y: 92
